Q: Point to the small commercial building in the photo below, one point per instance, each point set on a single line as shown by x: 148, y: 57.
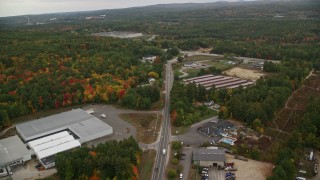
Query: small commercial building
x: 209, y: 157
x: 13, y: 152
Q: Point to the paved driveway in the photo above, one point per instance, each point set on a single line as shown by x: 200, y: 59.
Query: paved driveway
x: 186, y: 163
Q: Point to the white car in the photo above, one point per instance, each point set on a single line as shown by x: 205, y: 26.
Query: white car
x: 181, y: 176
x: 300, y: 178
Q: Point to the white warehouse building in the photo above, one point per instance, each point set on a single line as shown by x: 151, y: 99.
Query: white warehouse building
x: 61, y: 132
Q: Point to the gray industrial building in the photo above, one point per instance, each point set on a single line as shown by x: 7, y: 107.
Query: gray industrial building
x: 61, y: 132
x: 83, y: 125
x: 208, y: 157
x: 13, y: 152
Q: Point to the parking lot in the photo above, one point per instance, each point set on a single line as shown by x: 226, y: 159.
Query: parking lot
x: 121, y: 128
x: 192, y: 136
x: 28, y: 171
x: 215, y: 174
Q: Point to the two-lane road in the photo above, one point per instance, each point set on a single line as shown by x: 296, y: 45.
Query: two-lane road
x: 161, y: 158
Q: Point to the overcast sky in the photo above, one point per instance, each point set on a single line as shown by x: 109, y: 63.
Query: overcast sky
x: 21, y: 7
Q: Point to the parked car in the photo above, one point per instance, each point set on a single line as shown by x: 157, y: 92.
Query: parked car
x: 231, y: 178
x: 181, y: 176
x: 37, y: 165
x: 300, y: 178
x: 205, y: 175
x: 41, y: 168
x: 229, y: 174
x: 302, y: 171
x: 103, y: 115
x: 230, y: 169
x: 205, y: 169
x: 229, y: 164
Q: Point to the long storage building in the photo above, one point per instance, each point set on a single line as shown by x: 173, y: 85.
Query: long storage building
x: 82, y: 124
x: 53, y: 134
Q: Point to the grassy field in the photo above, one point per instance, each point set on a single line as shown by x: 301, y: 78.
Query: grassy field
x: 192, y: 73
x: 203, y: 57
x: 177, y: 73
x: 180, y: 129
x: 183, y: 129
x: 218, y: 64
x: 147, y: 125
x: 173, y: 166
x: 145, y: 169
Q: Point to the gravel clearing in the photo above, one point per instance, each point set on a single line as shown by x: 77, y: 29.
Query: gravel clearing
x: 244, y: 73
x: 250, y: 169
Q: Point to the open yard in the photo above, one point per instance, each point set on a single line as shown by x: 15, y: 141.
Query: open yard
x: 146, y: 165
x: 203, y: 57
x: 244, y: 73
x: 28, y: 171
x: 192, y: 72
x: 250, y: 169
x: 147, y: 125
x: 222, y: 65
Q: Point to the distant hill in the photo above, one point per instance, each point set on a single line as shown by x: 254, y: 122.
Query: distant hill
x: 220, y: 9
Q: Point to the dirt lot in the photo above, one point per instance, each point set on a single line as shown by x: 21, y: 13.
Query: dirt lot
x: 28, y: 171
x: 147, y: 125
x: 251, y: 169
x: 244, y: 73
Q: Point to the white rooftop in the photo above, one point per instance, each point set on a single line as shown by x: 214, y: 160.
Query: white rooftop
x: 48, y: 138
x: 57, y: 149
x: 84, y: 125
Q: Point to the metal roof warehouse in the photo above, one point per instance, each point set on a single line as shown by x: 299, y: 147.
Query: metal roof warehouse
x: 83, y: 125
x: 61, y: 132
x: 209, y: 157
x: 13, y: 151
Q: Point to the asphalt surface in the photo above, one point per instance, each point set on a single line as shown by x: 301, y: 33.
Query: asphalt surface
x: 192, y: 137
x: 121, y: 128
x: 161, y: 158
x: 215, y: 174
x: 186, y: 163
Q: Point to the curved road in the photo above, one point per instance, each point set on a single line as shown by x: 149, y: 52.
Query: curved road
x: 161, y: 158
